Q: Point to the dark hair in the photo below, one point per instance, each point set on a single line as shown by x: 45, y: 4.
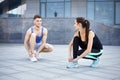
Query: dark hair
x: 85, y: 24
x: 37, y: 16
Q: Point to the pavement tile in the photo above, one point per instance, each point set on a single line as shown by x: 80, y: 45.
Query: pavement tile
x: 15, y: 65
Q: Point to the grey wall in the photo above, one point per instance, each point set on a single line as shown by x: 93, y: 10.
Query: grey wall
x: 12, y: 30
x: 109, y: 35
x: 78, y: 8
x: 32, y: 8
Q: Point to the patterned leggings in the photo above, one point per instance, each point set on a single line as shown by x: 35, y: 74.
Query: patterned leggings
x: 95, y: 53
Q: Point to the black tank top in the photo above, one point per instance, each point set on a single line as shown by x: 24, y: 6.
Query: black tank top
x: 96, y: 43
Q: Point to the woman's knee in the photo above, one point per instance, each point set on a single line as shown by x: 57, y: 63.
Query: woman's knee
x: 76, y: 38
x: 79, y: 52
x: 76, y: 42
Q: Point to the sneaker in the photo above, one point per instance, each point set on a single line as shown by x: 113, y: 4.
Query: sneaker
x: 95, y: 63
x: 33, y: 59
x: 72, y: 64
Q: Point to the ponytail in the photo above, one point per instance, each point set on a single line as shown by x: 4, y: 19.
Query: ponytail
x: 85, y: 24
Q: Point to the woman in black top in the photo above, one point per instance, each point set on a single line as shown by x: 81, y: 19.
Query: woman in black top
x: 85, y: 44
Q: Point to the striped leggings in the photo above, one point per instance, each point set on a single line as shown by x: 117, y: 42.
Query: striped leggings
x: 95, y: 53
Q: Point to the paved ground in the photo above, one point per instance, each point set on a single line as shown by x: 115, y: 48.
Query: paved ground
x: 15, y: 65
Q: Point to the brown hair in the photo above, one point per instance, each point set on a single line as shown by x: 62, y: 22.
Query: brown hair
x: 85, y: 24
x: 37, y: 16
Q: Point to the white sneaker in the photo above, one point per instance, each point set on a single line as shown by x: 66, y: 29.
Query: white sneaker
x: 33, y: 59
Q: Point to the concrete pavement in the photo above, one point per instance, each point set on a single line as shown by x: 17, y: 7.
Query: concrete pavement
x: 15, y: 65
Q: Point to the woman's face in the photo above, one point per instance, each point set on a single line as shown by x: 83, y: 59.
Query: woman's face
x: 77, y: 25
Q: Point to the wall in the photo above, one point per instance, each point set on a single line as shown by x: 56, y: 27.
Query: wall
x: 12, y: 30
x: 61, y: 30
x: 78, y: 8
x: 32, y: 8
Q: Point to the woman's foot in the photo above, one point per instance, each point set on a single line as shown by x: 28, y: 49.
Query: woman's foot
x: 72, y: 64
x: 95, y: 63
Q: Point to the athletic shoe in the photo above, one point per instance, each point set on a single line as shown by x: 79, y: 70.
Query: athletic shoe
x: 33, y: 59
x: 72, y: 64
x: 95, y: 63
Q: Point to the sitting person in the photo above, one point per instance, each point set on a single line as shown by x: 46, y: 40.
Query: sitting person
x: 35, y: 39
x: 87, y: 40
